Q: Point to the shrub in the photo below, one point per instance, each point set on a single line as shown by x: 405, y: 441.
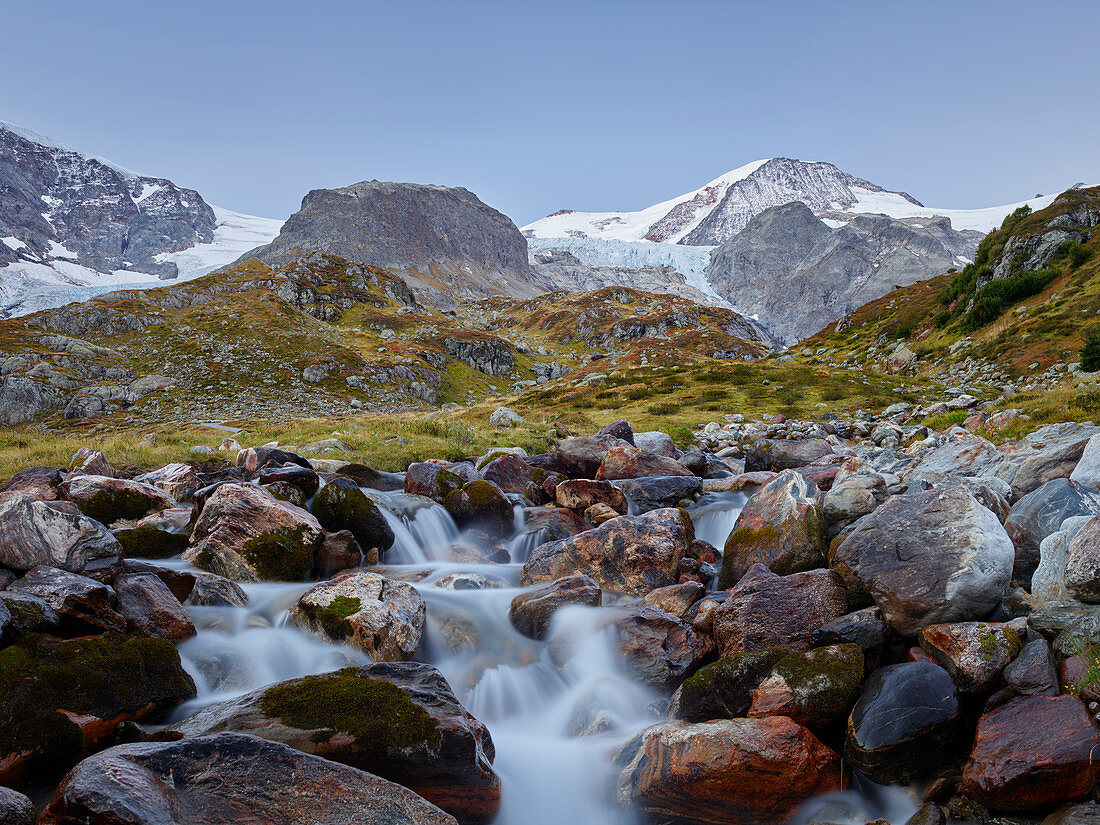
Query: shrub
x: 1076, y: 254
x: 905, y: 329
x: 1090, y: 351
x: 997, y: 296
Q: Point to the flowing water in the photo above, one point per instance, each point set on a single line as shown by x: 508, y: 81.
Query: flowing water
x: 557, y: 709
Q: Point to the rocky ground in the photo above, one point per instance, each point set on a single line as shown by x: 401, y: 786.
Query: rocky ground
x: 895, y: 604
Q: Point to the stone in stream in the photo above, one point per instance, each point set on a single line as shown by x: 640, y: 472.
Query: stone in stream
x: 724, y: 689
x: 676, y: 598
x: 434, y: 481
x: 26, y: 614
x: 255, y: 459
x: 1031, y: 753
x: 48, y: 533
x: 180, y: 481
x: 725, y: 772
x: 72, y: 695
x: 15, y: 808
x: 631, y: 462
x: 340, y: 551
x: 180, y: 583
x: 397, y: 720
x: 216, y: 591
x: 1039, y: 514
x: 341, y: 505
x: 784, y: 454
x: 304, y: 479
x: 864, y: 628
x: 383, y: 618
x: 974, y: 653
x: 83, y: 605
x: 245, y: 534
x: 150, y: 608
x: 659, y: 649
x: 815, y: 688
x: 107, y: 499
x: 780, y: 527
x: 581, y: 493
x: 532, y: 611
x: 160, y: 535
x: 654, y: 492
x: 229, y: 777
x: 905, y: 718
x: 556, y: 523
x: 481, y: 504
x: 630, y: 554
x: 931, y: 557
x: 510, y: 473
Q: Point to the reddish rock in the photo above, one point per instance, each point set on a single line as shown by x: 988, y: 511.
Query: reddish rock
x: 766, y: 610
x: 16, y: 809
x: 531, y: 612
x: 84, y: 605
x: 481, y: 504
x: 41, y: 483
x: 822, y: 477
x: 814, y: 689
x: 727, y: 772
x: 597, y: 514
x: 150, y: 608
x: 339, y: 551
x: 915, y: 654
x: 582, y: 456
x: 180, y: 583
x: 974, y: 653
x: 429, y: 479
x: 180, y: 481
x: 659, y: 649
x: 676, y: 598
x: 556, y: 523
x: 631, y: 462
x: 1032, y: 753
x: 580, y: 494
x: 745, y: 482
x: 508, y: 472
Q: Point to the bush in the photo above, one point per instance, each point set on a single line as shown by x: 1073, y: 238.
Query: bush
x: 1090, y: 351
x: 997, y: 296
x: 905, y: 329
x: 1076, y: 254
x: 940, y: 319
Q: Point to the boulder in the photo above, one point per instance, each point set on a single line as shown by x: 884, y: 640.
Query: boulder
x: 532, y: 611
x: 42, y: 483
x: 340, y: 551
x: 72, y: 695
x: 780, y: 527
x: 397, y: 720
x: 974, y: 653
x: 432, y: 480
x: 90, y: 462
x: 180, y: 583
x: 1048, y: 584
x: 510, y: 473
x: 961, y: 454
x: 659, y: 650
x: 179, y: 481
x: 341, y: 505
x: 1032, y: 753
x: 931, y: 557
x: 853, y: 497
x: 505, y: 417
x: 581, y: 493
x: 724, y: 689
x: 655, y: 442
x: 26, y: 614
x: 229, y: 777
x: 150, y: 608
x: 108, y: 499
x: 767, y: 610
x: 583, y: 455
x: 480, y: 504
x: 629, y: 555
x: 37, y: 532
x: 553, y: 523
x: 632, y: 462
x: 1034, y: 671
x: 726, y: 772
x: 1087, y: 470
x: 1041, y: 513
x: 83, y: 605
x: 246, y: 534
x: 255, y: 459
x: 1082, y: 574
x: 864, y: 628
x: 1050, y: 452
x: 784, y: 454
x: 216, y: 591
x: 621, y: 429
x: 15, y: 808
x: 383, y: 618
x: 160, y: 535
x: 905, y: 718
x: 654, y: 492
x: 301, y: 478
x: 1084, y: 814
x: 815, y: 688
x: 676, y: 598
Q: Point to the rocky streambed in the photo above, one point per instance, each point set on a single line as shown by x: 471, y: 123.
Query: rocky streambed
x: 808, y: 621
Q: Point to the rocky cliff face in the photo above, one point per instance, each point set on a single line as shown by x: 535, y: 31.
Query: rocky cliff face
x: 796, y: 274
x: 59, y: 205
x: 558, y: 269
x: 445, y: 242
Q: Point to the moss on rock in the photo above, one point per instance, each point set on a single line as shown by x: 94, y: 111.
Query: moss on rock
x: 341, y: 505
x: 333, y: 617
x: 724, y: 689
x: 147, y: 542
x: 284, y: 555
x: 108, y: 506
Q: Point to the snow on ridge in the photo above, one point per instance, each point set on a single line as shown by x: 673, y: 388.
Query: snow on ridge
x: 50, y: 143
x: 981, y: 220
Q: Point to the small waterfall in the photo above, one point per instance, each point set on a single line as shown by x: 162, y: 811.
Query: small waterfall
x: 715, y: 515
x: 422, y: 530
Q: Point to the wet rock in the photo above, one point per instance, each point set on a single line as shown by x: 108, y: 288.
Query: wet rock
x: 26, y: 614
x: 255, y: 459
x: 481, y: 504
x: 1032, y: 753
x: 779, y: 527
x: 340, y: 551
x: 766, y: 610
x: 814, y: 688
x: 676, y: 598
x: 853, y: 497
x: 37, y: 532
x: 531, y: 612
x: 583, y: 455
x: 180, y: 583
x: 108, y: 499
x: 245, y: 534
x: 928, y: 814
x: 40, y: 483
x: 397, y: 720
x: 511, y: 474
x: 179, y: 481
x: 216, y: 591
x: 16, y: 809
x: 905, y: 718
x: 580, y: 494
x: 341, y: 505
x: 743, y: 483
x: 302, y: 478
x: 73, y: 694
x: 727, y: 772
x: 783, y: 454
x: 216, y: 778
x: 1039, y: 514
x: 554, y: 523
x: 150, y: 608
x: 160, y: 535
x: 469, y: 581
x: 1083, y: 814
x: 383, y: 618
x: 974, y: 653
x: 1033, y: 672
x: 658, y: 649
x: 629, y: 554
x: 931, y: 557
x: 724, y: 689
x: 83, y: 605
x: 597, y: 514
x: 864, y: 628
x: 653, y: 493
x: 630, y: 462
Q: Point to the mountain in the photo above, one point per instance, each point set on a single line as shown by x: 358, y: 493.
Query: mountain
x: 71, y: 224
x: 444, y: 241
x: 795, y: 273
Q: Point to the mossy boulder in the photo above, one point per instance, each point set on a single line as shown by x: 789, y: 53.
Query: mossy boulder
x: 65, y: 698
x: 426, y: 478
x: 724, y: 689
x: 974, y: 653
x: 400, y: 721
x: 147, y: 541
x: 108, y: 499
x: 481, y: 504
x: 816, y: 688
x: 285, y: 491
x: 341, y: 505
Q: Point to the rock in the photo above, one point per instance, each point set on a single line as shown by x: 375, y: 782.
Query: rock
x: 216, y: 779
x: 597, y: 514
x: 397, y: 720
x: 42, y: 483
x: 960, y: 454
x: 340, y: 551
x: 631, y: 462
x: 766, y: 610
x: 150, y: 608
x: 780, y: 527
x: 659, y: 650
x: 1083, y: 814
x: 255, y: 459
x: 16, y: 809
x: 510, y: 473
x: 629, y: 555
x: 179, y: 481
x: 90, y: 462
x: 864, y: 628
x: 383, y: 618
x: 779, y: 455
x: 160, y: 535
x: 724, y: 689
x: 108, y: 499
x: 853, y: 497
x: 1048, y: 584
x: 341, y: 505
x: 974, y: 653
x: 36, y: 532
x: 1033, y: 672
x: 1041, y: 513
x: 580, y: 494
x: 727, y: 772
x: 655, y: 492
x: 1050, y: 452
x: 245, y: 534
x: 532, y: 611
x: 303, y: 478
x: 582, y: 456
x: 481, y: 504
x: 431, y: 480
x: 655, y: 442
x: 905, y: 718
x: 1082, y: 573
x: 676, y: 598
x: 83, y: 605
x: 25, y: 614
x: 469, y: 581
x: 621, y: 430
x: 73, y: 694
x: 930, y: 557
x: 928, y: 814
x: 1031, y: 753
x: 553, y: 523
x: 814, y: 688
x: 216, y: 591
x: 180, y: 583
x: 1087, y: 471
x: 504, y: 417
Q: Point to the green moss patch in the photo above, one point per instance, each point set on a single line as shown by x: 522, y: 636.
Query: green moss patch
x: 147, y: 542
x: 724, y: 690
x: 108, y: 506
x: 333, y: 617
x: 281, y: 555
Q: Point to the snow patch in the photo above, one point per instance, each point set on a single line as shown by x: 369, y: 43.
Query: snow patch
x: 13, y: 243
x: 50, y: 143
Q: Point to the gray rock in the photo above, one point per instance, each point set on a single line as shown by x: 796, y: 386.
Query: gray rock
x: 45, y: 533
x: 1082, y: 574
x: 504, y: 417
x: 16, y: 809
x: 853, y: 497
x: 1040, y: 513
x: 1034, y: 671
x: 1087, y: 471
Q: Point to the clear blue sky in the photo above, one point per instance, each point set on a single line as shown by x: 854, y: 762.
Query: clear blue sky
x: 537, y: 106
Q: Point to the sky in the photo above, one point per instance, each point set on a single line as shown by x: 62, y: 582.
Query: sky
x: 540, y: 106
